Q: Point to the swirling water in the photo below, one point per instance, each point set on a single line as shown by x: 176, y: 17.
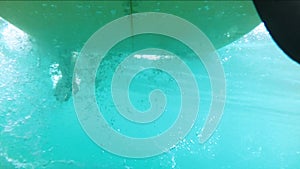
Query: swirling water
x: 259, y: 129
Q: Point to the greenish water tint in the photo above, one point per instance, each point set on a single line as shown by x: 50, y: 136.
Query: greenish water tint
x: 259, y: 129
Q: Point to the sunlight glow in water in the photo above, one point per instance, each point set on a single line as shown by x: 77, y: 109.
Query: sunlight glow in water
x: 152, y: 56
x: 14, y: 38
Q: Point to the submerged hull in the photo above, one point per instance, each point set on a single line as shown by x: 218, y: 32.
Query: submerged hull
x: 70, y: 24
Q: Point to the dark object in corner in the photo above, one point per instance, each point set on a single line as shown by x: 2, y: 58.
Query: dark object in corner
x: 282, y: 19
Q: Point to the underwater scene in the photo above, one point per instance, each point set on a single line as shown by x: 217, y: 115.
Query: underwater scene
x: 41, y: 128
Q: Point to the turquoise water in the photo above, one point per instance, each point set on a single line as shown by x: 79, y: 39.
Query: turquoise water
x: 259, y: 129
